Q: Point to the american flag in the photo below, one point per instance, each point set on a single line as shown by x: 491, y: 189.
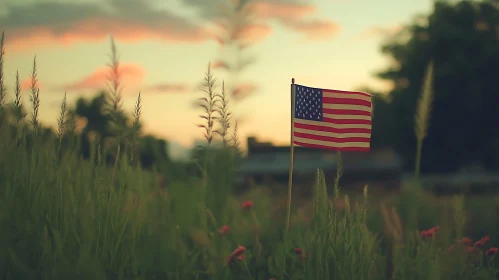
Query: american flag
x: 332, y: 119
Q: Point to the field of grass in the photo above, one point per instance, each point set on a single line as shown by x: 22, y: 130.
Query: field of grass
x: 65, y: 217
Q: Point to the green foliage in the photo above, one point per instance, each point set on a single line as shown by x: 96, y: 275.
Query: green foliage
x: 66, y: 217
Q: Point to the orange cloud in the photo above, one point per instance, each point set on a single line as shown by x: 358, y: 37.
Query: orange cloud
x: 254, y: 33
x: 26, y: 84
x: 292, y: 15
x: 219, y: 65
x: 90, y: 30
x: 42, y: 23
x: 254, y: 21
x: 245, y: 32
x: 169, y: 88
x: 281, y: 10
x: 132, y: 75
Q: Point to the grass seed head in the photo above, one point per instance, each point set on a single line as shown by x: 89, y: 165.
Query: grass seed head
x: 61, y: 128
x: 224, y: 115
x: 3, y: 90
x: 424, y: 104
x: 35, y: 97
x: 209, y: 104
x: 17, y: 104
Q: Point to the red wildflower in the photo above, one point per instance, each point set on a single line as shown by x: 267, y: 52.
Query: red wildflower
x: 470, y: 249
x: 239, y: 251
x: 490, y: 252
x: 466, y: 240
x: 237, y: 254
x: 247, y: 204
x: 429, y: 233
x: 299, y: 252
x: 426, y: 234
x: 224, y: 230
x: 482, y: 241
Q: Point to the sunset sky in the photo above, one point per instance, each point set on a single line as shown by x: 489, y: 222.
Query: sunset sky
x: 166, y: 45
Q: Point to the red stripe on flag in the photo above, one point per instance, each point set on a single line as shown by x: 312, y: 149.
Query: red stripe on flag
x: 345, y: 101
x: 346, y: 121
x: 346, y: 112
x: 345, y: 149
x: 332, y: 139
x: 346, y: 92
x: 332, y: 129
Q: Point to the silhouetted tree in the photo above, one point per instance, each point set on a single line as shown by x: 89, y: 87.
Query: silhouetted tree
x: 153, y: 152
x: 462, y: 37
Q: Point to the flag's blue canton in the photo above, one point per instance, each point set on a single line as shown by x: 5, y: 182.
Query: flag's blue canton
x: 308, y: 103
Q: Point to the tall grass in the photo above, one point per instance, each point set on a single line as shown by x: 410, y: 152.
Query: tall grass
x: 64, y: 217
x: 209, y: 104
x: 34, y: 97
x: 423, y: 115
x: 3, y: 89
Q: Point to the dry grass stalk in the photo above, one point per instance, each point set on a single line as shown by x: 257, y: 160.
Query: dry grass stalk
x: 424, y: 104
x: 365, y: 196
x: 392, y: 224
x: 423, y: 115
x: 3, y: 90
x: 339, y: 173
x: 114, y: 79
x: 17, y: 104
x: 35, y: 97
x: 209, y: 105
x: 62, y: 120
x: 137, y: 112
x: 394, y: 231
x: 224, y: 115
x: 236, y: 144
x: 114, y: 85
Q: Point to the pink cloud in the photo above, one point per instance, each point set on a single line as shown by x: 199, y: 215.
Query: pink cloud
x: 219, y: 65
x: 293, y: 16
x: 26, y: 84
x: 90, y: 30
x: 252, y: 23
x: 281, y: 10
x: 132, y: 75
x: 65, y: 23
x: 254, y: 33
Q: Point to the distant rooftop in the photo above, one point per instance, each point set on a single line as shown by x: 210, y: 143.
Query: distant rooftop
x: 256, y: 147
x: 264, y: 157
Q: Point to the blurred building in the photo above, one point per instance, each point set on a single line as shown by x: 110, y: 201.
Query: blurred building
x: 268, y: 164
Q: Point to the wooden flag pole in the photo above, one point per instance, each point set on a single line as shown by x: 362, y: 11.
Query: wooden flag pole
x: 292, y: 151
